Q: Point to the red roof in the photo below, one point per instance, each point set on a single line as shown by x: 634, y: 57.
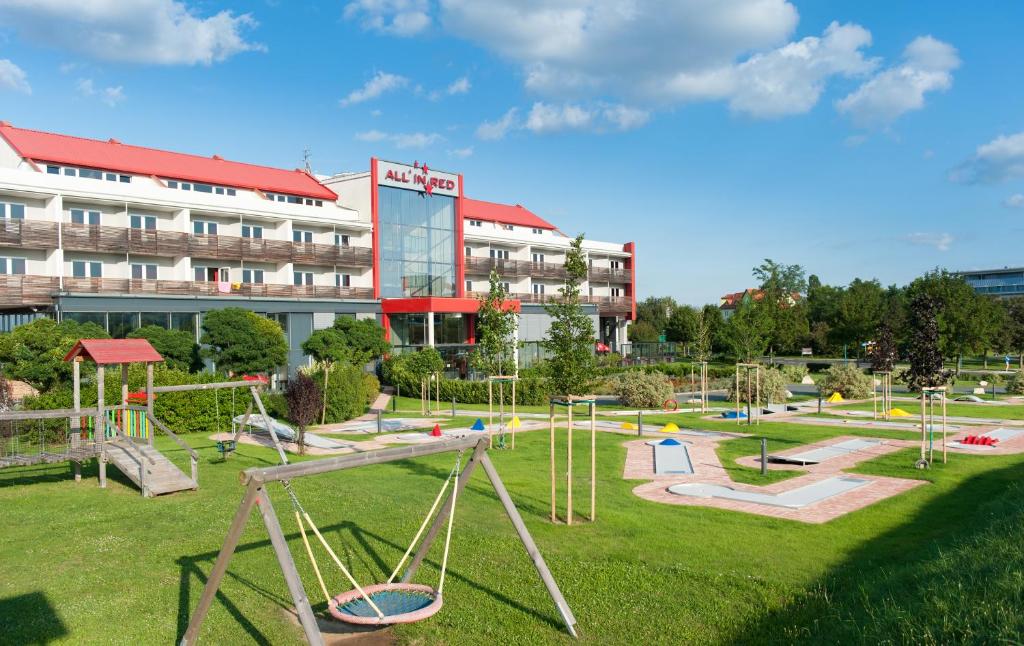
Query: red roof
x: 107, y: 351
x: 503, y: 213
x: 115, y: 156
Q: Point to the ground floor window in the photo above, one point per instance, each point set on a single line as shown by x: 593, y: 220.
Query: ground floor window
x: 252, y: 276
x: 86, y: 269
x: 12, y: 266
x: 142, y: 271
x: 303, y: 278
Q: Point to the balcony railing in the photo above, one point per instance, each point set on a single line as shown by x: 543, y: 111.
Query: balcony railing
x: 606, y: 305
x: 125, y: 286
x: 27, y: 290
x: 28, y: 234
x: 608, y: 274
x: 514, y: 268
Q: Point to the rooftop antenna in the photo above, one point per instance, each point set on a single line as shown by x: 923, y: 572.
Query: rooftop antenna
x: 305, y: 160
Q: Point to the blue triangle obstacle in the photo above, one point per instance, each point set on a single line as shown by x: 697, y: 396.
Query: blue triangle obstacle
x: 669, y: 442
x: 478, y: 425
x: 732, y: 415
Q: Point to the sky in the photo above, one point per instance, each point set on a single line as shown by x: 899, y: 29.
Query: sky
x: 858, y: 139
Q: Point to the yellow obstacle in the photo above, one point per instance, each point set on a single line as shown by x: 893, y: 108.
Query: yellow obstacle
x: 834, y: 398
x: 515, y: 423
x: 628, y: 426
x: 670, y: 428
x: 898, y: 412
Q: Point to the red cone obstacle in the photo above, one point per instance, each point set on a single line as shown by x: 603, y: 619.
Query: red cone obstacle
x: 437, y: 431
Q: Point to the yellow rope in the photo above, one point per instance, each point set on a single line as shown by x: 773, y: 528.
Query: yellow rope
x: 419, y: 533
x: 312, y: 559
x: 448, y: 537
x: 341, y: 566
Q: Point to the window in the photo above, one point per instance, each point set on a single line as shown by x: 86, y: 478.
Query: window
x: 172, y: 184
x: 536, y: 230
x: 86, y: 269
x: 303, y: 278
x: 500, y: 254
x: 70, y: 172
x: 469, y: 252
x: 211, y: 274
x: 124, y: 179
x: 219, y: 190
x: 110, y: 177
x: 507, y: 287
x: 615, y: 264
x: 341, y: 239
x: 231, y: 192
x: 14, y: 266
x: 90, y: 173
x: 301, y: 235
x: 508, y: 227
x: 538, y: 289
x: 141, y: 271
x: 204, y: 227
x: 12, y: 211
x: 342, y: 280
x: 252, y: 276
x: 185, y: 186
x: 147, y: 222
x: 538, y: 257
x: 616, y: 292
x: 475, y: 223
x: 469, y: 286
x: 53, y: 170
x: 252, y: 231
x: 202, y: 188
x: 81, y: 216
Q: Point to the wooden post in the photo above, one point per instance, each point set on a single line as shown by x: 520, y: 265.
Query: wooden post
x: 149, y: 396
x: 514, y: 410
x: 568, y: 469
x: 490, y: 412
x: 552, y: 420
x: 874, y: 395
x: 924, y: 426
x: 593, y: 461
x: 944, y: 427
x: 99, y: 432
x: 124, y: 384
x: 737, y: 394
x: 74, y: 434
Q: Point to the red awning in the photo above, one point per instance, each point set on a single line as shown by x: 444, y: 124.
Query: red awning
x: 105, y: 352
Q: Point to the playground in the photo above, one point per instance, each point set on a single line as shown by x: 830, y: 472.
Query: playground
x: 750, y: 529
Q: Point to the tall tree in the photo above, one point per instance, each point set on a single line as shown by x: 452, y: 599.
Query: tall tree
x: 748, y: 331
x: 328, y: 347
x: 656, y: 310
x: 1015, y: 327
x: 239, y: 341
x: 572, y: 367
x: 642, y: 332
x: 781, y: 288
x: 364, y: 339
x: 682, y: 325
x: 704, y: 333
x: 925, y: 357
x: 961, y: 314
x: 34, y: 352
x: 495, y: 348
x: 883, y: 354
x: 177, y: 347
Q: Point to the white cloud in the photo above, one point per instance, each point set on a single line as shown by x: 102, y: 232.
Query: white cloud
x: 1015, y: 201
x: 552, y: 118
x: 166, y: 32
x: 927, y: 67
x: 394, y: 17
x: 461, y: 153
x: 13, y: 77
x: 625, y: 117
x: 85, y: 87
x: 380, y: 84
x: 853, y: 141
x: 401, y: 140
x: 998, y: 160
x: 493, y: 130
x: 940, y: 241
x: 108, y: 95
x: 459, y: 86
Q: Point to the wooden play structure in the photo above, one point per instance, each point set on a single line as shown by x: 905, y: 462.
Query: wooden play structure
x: 380, y: 604
x: 881, y: 394
x: 569, y: 403
x: 434, y: 378
x: 501, y: 380
x: 928, y: 397
x: 753, y: 390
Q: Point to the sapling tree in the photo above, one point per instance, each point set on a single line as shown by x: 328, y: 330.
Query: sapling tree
x: 304, y: 400
x: 926, y: 369
x: 572, y: 368
x: 494, y: 352
x: 883, y: 355
x: 327, y: 347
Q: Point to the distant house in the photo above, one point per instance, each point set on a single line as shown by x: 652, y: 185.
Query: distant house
x: 729, y: 302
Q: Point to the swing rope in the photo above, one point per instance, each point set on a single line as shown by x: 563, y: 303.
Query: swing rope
x: 301, y: 514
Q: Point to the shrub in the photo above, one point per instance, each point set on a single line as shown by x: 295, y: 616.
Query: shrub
x: 1015, y: 386
x: 371, y: 385
x: 848, y: 380
x: 772, y: 387
x: 242, y: 342
x: 304, y: 399
x: 345, y: 394
x: 642, y: 389
x: 794, y: 374
x: 177, y: 347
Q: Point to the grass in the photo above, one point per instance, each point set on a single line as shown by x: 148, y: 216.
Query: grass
x: 938, y: 564
x: 1008, y: 411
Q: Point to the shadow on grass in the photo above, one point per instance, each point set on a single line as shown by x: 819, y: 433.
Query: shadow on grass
x: 191, y: 567
x: 37, y: 620
x: 949, y: 574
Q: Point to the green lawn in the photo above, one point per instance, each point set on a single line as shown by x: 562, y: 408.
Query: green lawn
x: 1000, y: 411
x: 938, y: 564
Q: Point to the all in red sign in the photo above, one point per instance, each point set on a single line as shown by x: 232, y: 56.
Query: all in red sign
x: 418, y: 177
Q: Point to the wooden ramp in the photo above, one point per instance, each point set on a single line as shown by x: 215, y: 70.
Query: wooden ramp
x: 148, y: 468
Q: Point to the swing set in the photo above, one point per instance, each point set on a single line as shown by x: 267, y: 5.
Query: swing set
x: 501, y: 380
x: 394, y: 601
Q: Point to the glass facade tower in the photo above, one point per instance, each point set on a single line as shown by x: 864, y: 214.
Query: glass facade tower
x: 417, y: 243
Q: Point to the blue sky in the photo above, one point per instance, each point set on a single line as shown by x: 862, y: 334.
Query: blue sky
x: 858, y: 139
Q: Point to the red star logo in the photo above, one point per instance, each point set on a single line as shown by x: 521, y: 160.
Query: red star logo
x: 428, y: 188
x: 424, y: 168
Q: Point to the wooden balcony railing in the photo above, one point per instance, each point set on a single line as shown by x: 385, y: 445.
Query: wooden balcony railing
x: 514, y: 268
x: 610, y: 275
x: 27, y: 290
x: 606, y: 305
x: 28, y: 234
x: 124, y: 286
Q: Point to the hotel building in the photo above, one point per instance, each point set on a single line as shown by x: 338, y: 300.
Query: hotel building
x: 126, y: 236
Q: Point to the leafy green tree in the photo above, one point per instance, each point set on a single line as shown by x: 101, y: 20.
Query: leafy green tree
x: 704, y: 332
x: 682, y: 325
x: 642, y: 332
x: 239, y: 341
x: 495, y: 348
x: 860, y: 310
x: 328, y: 347
x: 961, y: 312
x: 748, y: 331
x: 781, y: 288
x: 778, y: 281
x: 364, y: 339
x: 34, y: 352
x: 177, y: 347
x: 1015, y: 327
x: 304, y: 400
x: 656, y: 311
x: 572, y: 367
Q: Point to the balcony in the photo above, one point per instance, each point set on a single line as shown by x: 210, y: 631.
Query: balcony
x: 28, y: 234
x: 27, y: 290
x: 125, y: 286
x: 606, y: 305
x: 513, y: 268
x: 101, y: 239
x: 607, y: 274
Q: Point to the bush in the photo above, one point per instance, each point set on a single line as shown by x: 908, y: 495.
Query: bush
x: 177, y: 347
x: 848, y: 380
x: 1015, y: 386
x: 794, y: 374
x: 345, y: 393
x: 642, y: 389
x: 772, y: 387
x: 371, y: 386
